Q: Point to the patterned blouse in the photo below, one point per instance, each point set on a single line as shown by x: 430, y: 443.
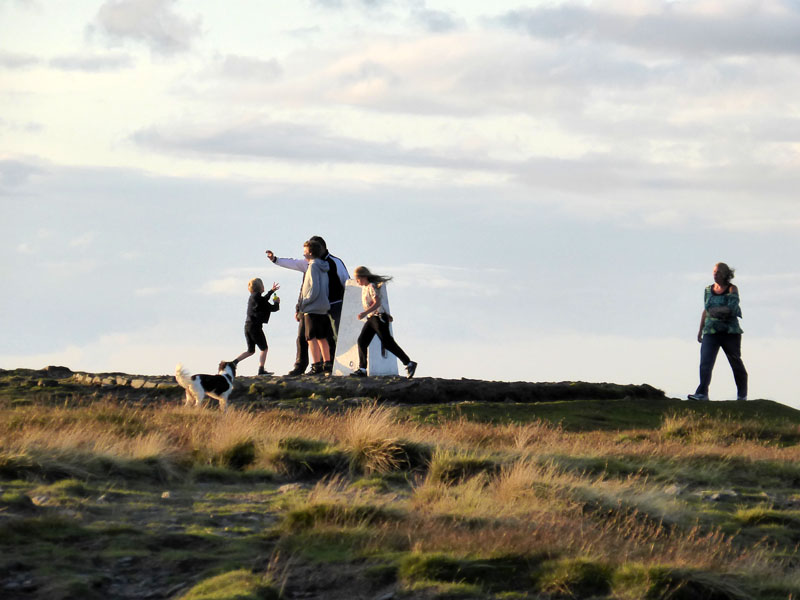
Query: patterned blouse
x: 726, y: 308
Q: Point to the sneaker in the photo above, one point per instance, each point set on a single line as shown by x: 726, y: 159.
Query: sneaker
x: 296, y: 371
x: 261, y: 371
x: 701, y: 397
x: 741, y: 398
x: 327, y: 367
x: 359, y: 373
x: 411, y: 368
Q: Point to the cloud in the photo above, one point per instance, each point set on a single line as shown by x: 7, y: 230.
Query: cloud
x: 152, y: 22
x: 16, y: 173
x: 92, y: 63
x: 702, y: 27
x: 12, y: 60
x: 461, y: 280
x: 437, y: 21
x: 248, y: 68
x: 300, y: 142
x: 82, y: 241
x: 233, y: 282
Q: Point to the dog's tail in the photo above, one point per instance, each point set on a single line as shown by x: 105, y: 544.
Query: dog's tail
x: 182, y: 376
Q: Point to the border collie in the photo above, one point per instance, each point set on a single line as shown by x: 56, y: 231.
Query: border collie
x: 198, y: 387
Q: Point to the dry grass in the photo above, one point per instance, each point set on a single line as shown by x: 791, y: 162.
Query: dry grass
x: 525, y: 498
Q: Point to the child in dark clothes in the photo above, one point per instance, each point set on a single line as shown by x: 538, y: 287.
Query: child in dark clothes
x: 259, y: 309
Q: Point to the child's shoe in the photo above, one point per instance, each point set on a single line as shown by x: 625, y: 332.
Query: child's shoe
x: 359, y: 373
x: 261, y: 371
x: 411, y: 368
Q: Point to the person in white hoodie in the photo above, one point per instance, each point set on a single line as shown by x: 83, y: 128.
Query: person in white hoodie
x: 314, y: 306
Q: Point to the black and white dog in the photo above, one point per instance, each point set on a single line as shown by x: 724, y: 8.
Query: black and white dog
x: 198, y: 387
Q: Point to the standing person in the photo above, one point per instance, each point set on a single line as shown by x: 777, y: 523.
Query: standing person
x: 337, y: 277
x: 373, y: 300
x: 314, y: 306
x: 259, y: 309
x: 719, y: 328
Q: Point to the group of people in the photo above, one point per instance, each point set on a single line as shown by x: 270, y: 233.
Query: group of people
x: 319, y: 312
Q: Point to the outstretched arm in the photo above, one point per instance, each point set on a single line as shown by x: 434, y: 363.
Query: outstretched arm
x: 296, y: 264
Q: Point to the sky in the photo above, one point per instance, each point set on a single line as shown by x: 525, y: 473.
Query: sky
x: 549, y: 183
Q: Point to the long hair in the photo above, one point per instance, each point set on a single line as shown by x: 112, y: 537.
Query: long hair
x: 725, y: 271
x: 369, y: 276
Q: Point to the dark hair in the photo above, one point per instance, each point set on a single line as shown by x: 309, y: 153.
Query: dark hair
x: 371, y: 277
x: 316, y: 238
x: 726, y: 272
x: 314, y: 248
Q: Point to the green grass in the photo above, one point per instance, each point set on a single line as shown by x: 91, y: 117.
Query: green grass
x: 605, y: 415
x: 234, y: 585
x: 605, y: 499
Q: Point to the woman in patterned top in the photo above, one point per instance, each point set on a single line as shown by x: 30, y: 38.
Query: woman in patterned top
x: 719, y: 328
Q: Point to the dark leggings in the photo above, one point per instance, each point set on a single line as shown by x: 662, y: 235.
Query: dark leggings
x: 375, y: 325
x: 731, y: 344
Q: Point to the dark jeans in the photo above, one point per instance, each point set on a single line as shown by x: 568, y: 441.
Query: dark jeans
x: 301, y: 357
x: 731, y: 344
x: 377, y: 326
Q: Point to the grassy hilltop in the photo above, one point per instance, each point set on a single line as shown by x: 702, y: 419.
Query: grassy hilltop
x: 109, y: 488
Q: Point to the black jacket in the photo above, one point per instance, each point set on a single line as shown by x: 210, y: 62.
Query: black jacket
x: 259, y: 308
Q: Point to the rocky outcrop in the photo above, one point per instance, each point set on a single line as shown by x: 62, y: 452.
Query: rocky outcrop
x: 422, y: 390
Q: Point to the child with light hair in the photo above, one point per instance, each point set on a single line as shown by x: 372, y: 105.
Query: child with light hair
x: 259, y: 309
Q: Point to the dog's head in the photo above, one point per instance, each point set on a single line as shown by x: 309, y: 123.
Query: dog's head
x: 224, y: 366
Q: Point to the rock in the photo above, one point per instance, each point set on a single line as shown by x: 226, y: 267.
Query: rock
x: 673, y: 490
x: 721, y: 496
x: 166, y: 495
x: 58, y: 372
x: 137, y: 383
x: 289, y: 487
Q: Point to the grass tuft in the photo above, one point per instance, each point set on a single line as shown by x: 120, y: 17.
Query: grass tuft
x: 234, y: 585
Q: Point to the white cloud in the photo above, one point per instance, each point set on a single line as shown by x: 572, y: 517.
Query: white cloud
x: 702, y: 27
x: 227, y: 286
x: 11, y: 60
x: 152, y: 22
x: 246, y: 68
x: 82, y: 241
x: 299, y: 142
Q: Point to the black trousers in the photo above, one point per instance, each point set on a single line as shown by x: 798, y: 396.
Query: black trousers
x: 731, y: 344
x: 301, y: 357
x: 375, y: 325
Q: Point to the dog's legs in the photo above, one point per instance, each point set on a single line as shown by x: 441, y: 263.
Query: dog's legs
x: 223, y: 401
x: 189, y: 398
